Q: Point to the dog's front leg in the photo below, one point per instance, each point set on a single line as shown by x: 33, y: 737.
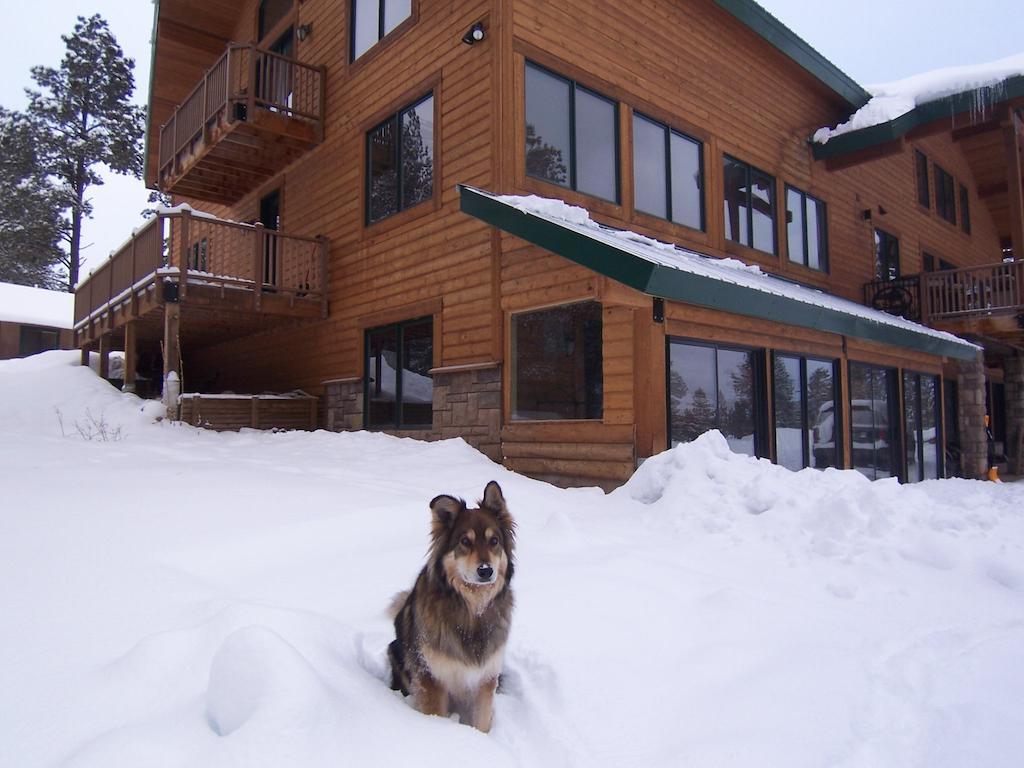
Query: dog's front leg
x: 432, y: 697
x: 483, y: 706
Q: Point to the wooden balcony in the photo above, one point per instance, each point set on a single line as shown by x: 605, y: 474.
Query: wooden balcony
x: 253, y: 113
x: 229, y: 280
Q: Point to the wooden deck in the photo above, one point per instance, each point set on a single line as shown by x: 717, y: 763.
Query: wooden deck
x: 252, y: 114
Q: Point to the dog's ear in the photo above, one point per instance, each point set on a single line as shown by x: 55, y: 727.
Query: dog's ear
x: 494, y: 500
x: 445, y: 509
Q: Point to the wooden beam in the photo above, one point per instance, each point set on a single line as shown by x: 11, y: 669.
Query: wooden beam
x: 105, y: 356
x: 877, y: 152
x: 993, y: 190
x: 992, y: 124
x: 130, y: 356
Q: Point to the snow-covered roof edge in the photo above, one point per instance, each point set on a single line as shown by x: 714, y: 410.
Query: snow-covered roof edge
x: 36, y: 306
x: 666, y: 270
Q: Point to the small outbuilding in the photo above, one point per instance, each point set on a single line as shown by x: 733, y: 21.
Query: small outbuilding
x: 34, y: 320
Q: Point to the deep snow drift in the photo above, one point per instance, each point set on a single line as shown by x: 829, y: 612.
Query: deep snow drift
x: 174, y: 597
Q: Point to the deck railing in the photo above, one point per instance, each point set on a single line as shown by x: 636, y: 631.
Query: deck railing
x: 984, y: 290
x: 897, y: 297
x: 206, y: 250
x: 243, y: 80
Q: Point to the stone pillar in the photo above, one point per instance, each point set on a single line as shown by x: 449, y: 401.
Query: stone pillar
x: 1013, y: 368
x: 973, y: 442
x: 467, y: 404
x: 343, y: 404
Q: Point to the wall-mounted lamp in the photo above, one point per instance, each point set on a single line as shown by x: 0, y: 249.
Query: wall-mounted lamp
x: 866, y: 214
x: 303, y: 31
x: 475, y: 34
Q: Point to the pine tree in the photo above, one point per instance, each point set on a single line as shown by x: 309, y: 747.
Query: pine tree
x: 30, y: 223
x: 84, y: 112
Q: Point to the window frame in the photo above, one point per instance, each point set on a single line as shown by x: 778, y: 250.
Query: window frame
x: 915, y: 378
x: 823, y: 255
x: 395, y: 120
x: 805, y: 415
x: 669, y: 131
x: 381, y: 33
x: 399, y: 328
x: 924, y: 198
x: 894, y: 415
x: 572, y: 181
x: 880, y: 236
x: 749, y: 173
x: 945, y: 194
x: 965, y: 209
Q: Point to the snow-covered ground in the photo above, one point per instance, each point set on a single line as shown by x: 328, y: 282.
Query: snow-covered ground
x: 174, y: 597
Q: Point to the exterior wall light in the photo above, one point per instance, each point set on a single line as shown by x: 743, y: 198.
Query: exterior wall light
x: 475, y: 34
x: 303, y: 31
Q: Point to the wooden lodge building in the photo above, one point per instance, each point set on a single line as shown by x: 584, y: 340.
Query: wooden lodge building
x: 358, y: 226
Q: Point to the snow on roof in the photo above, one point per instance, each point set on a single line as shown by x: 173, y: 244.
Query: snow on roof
x: 727, y: 270
x: 891, y: 100
x: 36, y: 306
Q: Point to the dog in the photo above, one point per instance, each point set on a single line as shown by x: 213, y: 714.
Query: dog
x: 452, y: 626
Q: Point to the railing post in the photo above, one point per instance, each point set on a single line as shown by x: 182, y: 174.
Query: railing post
x: 186, y: 217
x: 322, y: 281
x: 250, y: 109
x: 257, y: 265
x: 131, y: 282
x: 925, y: 299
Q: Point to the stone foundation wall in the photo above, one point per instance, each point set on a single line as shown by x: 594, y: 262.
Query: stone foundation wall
x: 1013, y: 378
x: 973, y: 441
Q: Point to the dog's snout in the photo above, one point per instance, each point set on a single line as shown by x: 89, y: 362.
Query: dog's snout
x: 484, y: 571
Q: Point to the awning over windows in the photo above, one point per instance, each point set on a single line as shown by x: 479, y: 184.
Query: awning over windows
x: 667, y: 271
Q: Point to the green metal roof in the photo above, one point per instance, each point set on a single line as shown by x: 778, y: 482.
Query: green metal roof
x: 796, y: 48
x: 588, y: 248
x: 944, y: 108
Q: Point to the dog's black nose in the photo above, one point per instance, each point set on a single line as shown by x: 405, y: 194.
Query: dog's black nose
x: 484, y: 571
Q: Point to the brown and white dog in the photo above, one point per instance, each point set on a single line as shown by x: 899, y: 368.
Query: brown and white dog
x: 451, y: 628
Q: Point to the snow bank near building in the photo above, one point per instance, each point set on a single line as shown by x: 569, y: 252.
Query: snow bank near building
x: 178, y: 597
x: 890, y: 100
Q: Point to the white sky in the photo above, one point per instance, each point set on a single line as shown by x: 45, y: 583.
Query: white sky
x: 872, y: 41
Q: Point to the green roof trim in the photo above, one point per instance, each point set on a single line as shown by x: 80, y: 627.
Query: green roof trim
x: 796, y: 48
x: 944, y: 108
x: 700, y: 290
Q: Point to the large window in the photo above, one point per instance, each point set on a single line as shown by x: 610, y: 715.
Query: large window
x: 749, y: 205
x: 372, y: 19
x: 873, y: 434
x: 400, y: 159
x: 715, y: 387
x: 399, y: 391
x: 945, y: 195
x: 806, y: 229
x: 921, y: 171
x: 558, y: 363
x: 571, y: 135
x: 806, y: 423
x: 887, y: 256
x: 923, y: 444
x: 668, y: 173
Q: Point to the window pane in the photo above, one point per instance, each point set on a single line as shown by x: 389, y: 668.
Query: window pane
x: 736, y: 399
x: 596, y: 150
x: 763, y: 205
x: 887, y: 256
x: 795, y: 225
x: 965, y: 210
x: 735, y: 183
x: 912, y: 425
x: 649, y: 167
x: 382, y: 380
x: 788, y: 391
x: 557, y: 354
x: 693, y: 396
x: 395, y: 12
x: 547, y: 126
x: 418, y: 153
x: 687, y: 184
x: 871, y: 432
x: 931, y: 445
x: 366, y: 25
x: 383, y: 193
x: 817, y: 257
x: 417, y: 384
x: 272, y: 12
x: 821, y: 414
x: 923, y: 193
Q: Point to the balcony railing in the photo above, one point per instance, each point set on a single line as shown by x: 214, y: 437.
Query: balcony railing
x: 897, y: 297
x: 244, y: 82
x: 193, y: 248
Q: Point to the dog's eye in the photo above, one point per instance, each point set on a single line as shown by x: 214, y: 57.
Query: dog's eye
x: 464, y: 541
x: 494, y: 541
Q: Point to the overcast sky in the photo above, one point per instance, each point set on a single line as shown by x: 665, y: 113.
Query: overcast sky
x: 872, y: 41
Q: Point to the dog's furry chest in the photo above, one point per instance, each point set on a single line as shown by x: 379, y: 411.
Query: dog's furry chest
x: 457, y: 675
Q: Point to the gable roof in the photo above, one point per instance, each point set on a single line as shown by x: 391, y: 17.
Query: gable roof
x: 36, y: 306
x: 667, y: 271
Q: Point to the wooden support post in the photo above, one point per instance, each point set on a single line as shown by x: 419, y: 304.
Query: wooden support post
x: 258, y: 246
x: 186, y: 221
x: 254, y: 418
x: 85, y: 355
x: 312, y: 414
x: 105, y: 356
x: 130, y: 356
x: 1015, y: 184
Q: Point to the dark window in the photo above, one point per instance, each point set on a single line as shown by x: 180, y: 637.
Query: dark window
x: 715, y: 387
x: 271, y: 13
x: 35, y: 340
x: 749, y: 205
x: 372, y: 19
x: 668, y: 173
x: 806, y: 229
x: 399, y: 390
x: 400, y: 155
x: 558, y: 363
x: 270, y: 218
x: 945, y: 195
x: 921, y: 166
x: 804, y: 397
x: 965, y: 210
x: 923, y: 444
x: 571, y: 135
x: 887, y: 256
x: 873, y: 437
x: 199, y: 253
x: 951, y: 405
x: 931, y: 263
